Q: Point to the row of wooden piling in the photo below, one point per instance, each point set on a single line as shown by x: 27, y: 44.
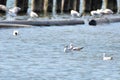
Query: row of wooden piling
x: 63, y: 6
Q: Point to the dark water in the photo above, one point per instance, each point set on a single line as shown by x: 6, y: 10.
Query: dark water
x: 37, y: 53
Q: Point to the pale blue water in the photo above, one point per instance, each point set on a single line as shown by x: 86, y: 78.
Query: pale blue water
x: 37, y: 53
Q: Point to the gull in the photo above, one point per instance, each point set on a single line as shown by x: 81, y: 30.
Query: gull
x: 108, y: 11
x: 97, y: 13
x: 33, y: 14
x: 100, y: 12
x: 3, y: 7
x: 75, y: 13
x: 67, y: 49
x: 13, y: 11
x: 75, y: 48
x: 15, y: 32
x: 106, y: 57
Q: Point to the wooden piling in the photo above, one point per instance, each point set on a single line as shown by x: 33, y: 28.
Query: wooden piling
x: 82, y: 7
x: 104, y: 4
x: 54, y: 7
x: 77, y: 5
x: 58, y: 6
x: 3, y: 2
x: 71, y: 4
x: 37, y: 5
x: 23, y: 4
x: 96, y: 4
x: 112, y: 4
x: 45, y: 7
x: 50, y: 5
x: 62, y: 6
x: 118, y: 6
x: 74, y: 4
x: 88, y: 6
x: 67, y: 6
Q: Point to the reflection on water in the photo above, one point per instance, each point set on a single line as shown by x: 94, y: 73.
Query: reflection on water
x: 37, y: 53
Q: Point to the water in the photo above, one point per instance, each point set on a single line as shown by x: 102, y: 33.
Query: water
x: 37, y: 53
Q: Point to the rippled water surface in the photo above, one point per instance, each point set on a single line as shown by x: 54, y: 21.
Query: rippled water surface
x: 37, y: 53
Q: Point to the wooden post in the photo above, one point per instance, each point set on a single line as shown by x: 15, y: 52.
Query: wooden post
x: 50, y: 5
x: 58, y: 6
x: 77, y: 5
x: 62, y: 6
x: 67, y: 6
x: 96, y: 4
x: 88, y: 6
x: 37, y: 5
x: 112, y: 4
x: 82, y: 7
x: 71, y: 5
x: 104, y: 4
x: 74, y: 4
x: 99, y: 4
x: 45, y: 7
x: 118, y: 6
x: 23, y: 4
x: 54, y: 7
x: 115, y: 6
x: 3, y: 2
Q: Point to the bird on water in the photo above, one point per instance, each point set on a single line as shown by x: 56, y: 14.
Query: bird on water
x: 72, y: 48
x: 15, y: 32
x: 67, y: 49
x: 106, y: 57
x: 75, y: 48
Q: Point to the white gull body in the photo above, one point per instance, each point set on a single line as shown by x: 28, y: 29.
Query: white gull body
x: 75, y: 48
x: 33, y: 14
x: 3, y: 7
x: 106, y: 57
x: 15, y: 32
x: 13, y: 11
x: 75, y: 13
x: 67, y: 49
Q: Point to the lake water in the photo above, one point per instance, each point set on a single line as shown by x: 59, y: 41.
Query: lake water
x: 37, y: 53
